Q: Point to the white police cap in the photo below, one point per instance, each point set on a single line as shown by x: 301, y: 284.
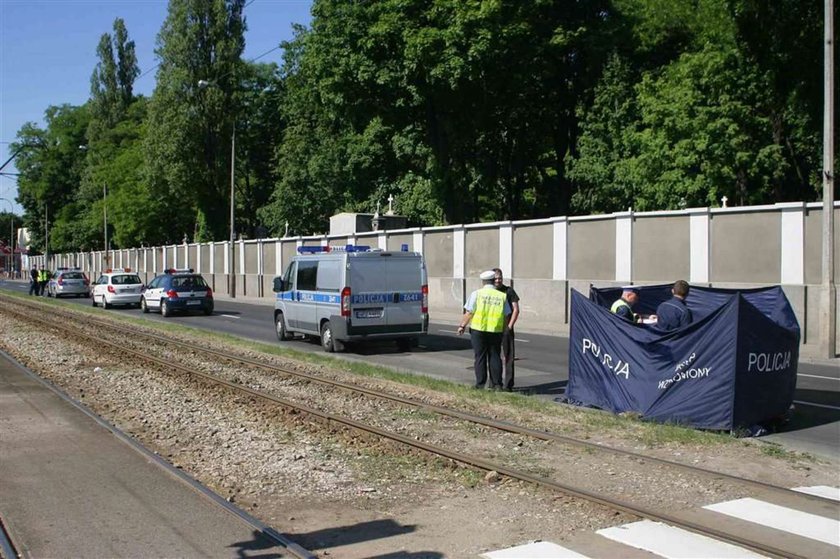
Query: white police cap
x: 488, y: 275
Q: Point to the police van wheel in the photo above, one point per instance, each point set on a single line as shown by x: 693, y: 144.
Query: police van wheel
x: 405, y: 344
x: 328, y: 342
x: 280, y: 328
x: 164, y: 308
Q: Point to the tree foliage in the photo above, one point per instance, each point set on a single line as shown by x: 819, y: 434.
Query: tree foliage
x: 465, y: 110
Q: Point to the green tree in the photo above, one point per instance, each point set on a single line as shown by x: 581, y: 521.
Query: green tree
x: 50, y: 166
x: 189, y: 129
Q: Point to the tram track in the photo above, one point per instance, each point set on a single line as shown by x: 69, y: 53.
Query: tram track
x: 436, y: 450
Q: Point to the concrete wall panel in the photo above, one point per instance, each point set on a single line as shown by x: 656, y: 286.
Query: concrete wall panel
x: 660, y: 248
x: 745, y: 247
x: 544, y: 307
x: 251, y: 282
x: 269, y: 257
x: 438, y: 253
x: 481, y: 250
x: 219, y: 257
x: 251, y: 250
x: 532, y: 251
x: 592, y: 250
x: 813, y: 246
x: 395, y: 242
x: 446, y: 298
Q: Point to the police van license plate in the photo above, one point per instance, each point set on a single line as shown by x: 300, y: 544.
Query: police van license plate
x: 369, y: 313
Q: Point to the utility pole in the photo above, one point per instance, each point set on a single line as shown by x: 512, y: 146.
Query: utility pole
x: 828, y: 306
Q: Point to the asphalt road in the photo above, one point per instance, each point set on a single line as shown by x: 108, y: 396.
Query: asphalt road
x: 541, y: 365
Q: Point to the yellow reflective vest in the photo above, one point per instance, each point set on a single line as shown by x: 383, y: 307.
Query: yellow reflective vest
x: 489, y: 312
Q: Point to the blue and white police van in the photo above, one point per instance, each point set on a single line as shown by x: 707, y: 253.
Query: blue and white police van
x: 352, y: 294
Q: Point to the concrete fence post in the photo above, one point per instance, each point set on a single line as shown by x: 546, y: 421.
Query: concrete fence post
x: 624, y: 247
x: 699, y: 245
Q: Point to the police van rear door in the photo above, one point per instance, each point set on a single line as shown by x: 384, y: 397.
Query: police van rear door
x: 387, y: 291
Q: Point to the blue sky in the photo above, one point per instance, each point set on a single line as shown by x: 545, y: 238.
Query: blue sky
x: 48, y: 52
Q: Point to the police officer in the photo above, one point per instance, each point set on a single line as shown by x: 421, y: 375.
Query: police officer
x: 674, y: 313
x: 508, y: 337
x: 485, y: 314
x: 623, y: 306
x: 43, y: 280
x: 33, y: 280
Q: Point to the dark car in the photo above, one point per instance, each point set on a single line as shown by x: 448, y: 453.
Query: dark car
x: 177, y: 290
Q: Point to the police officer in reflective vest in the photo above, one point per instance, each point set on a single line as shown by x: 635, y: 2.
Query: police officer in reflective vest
x: 623, y: 307
x: 485, y: 313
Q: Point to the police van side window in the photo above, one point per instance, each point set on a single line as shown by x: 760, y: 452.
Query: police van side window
x: 329, y: 275
x: 306, y: 275
x: 289, y: 277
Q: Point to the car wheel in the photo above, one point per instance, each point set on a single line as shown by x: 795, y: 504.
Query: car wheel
x: 105, y: 303
x: 405, y: 344
x: 208, y: 310
x: 164, y: 308
x: 328, y: 342
x: 280, y: 328
x: 143, y: 305
x: 93, y: 301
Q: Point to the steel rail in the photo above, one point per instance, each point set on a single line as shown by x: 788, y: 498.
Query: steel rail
x: 464, y: 416
x: 474, y: 461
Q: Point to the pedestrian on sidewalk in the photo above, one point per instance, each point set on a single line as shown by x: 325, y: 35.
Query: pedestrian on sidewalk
x: 485, y: 313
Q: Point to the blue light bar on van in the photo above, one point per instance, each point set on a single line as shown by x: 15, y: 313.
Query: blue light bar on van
x: 313, y: 249
x: 345, y: 248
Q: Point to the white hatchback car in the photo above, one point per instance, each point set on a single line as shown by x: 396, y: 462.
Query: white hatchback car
x: 119, y: 286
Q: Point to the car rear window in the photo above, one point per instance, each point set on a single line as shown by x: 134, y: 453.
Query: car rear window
x: 73, y: 275
x: 125, y: 280
x: 188, y: 282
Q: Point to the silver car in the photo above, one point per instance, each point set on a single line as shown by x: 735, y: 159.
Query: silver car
x: 68, y: 283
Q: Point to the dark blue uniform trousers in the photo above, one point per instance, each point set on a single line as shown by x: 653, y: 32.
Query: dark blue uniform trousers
x: 487, y: 347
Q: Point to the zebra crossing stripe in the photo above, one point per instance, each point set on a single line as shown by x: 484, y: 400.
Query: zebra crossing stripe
x: 669, y: 541
x: 821, y: 491
x: 803, y: 524
x: 535, y: 550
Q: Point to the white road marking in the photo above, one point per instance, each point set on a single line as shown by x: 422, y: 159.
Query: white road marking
x: 821, y: 491
x: 536, y: 550
x: 816, y: 376
x: 789, y: 520
x: 816, y: 405
x: 230, y: 316
x: 670, y: 541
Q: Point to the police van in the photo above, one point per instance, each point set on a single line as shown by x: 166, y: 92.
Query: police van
x: 352, y: 293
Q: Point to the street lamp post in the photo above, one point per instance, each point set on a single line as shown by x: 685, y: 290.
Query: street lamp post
x: 11, y: 236
x: 231, y: 252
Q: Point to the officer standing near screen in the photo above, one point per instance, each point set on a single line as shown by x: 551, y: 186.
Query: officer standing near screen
x: 674, y: 313
x: 485, y: 314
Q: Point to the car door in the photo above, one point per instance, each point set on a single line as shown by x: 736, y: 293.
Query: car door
x: 100, y: 287
x: 153, y: 293
x: 306, y: 296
